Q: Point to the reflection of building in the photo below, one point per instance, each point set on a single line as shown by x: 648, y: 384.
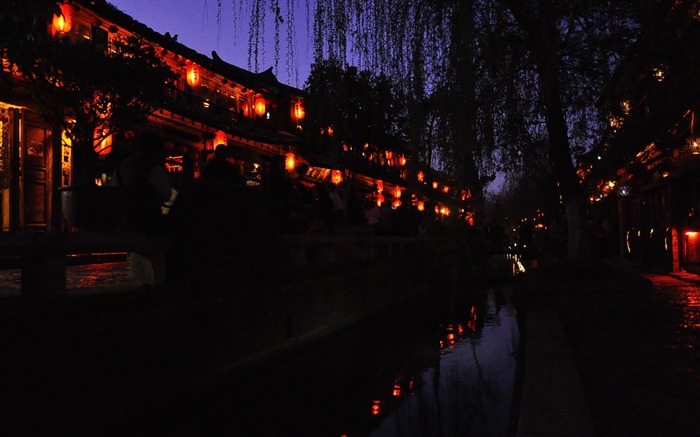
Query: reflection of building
x: 211, y: 102
x: 646, y: 171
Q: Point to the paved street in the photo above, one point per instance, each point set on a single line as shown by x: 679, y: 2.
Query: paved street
x: 638, y: 355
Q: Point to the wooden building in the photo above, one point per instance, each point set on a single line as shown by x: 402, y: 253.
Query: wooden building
x: 645, y: 175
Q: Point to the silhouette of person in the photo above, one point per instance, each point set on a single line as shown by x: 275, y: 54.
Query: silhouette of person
x: 145, y: 180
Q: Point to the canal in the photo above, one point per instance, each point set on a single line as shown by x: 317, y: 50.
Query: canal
x: 433, y: 369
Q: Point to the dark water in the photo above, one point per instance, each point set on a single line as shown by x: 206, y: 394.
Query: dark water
x: 441, y: 370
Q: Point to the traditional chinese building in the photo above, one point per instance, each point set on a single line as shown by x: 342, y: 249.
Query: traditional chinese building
x: 645, y: 175
x: 209, y: 103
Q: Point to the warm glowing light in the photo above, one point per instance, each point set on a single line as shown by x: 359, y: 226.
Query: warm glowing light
x: 299, y: 112
x: 445, y: 189
x: 397, y: 391
x: 691, y: 234
x: 336, y: 176
x: 289, y: 161
x: 389, y: 155
x: 397, y: 192
x: 193, y: 75
x: 380, y: 186
x: 435, y: 185
x: 380, y: 199
x: 420, y: 205
x: 260, y: 107
x: 64, y: 22
x: 396, y: 203
x: 219, y: 138
x: 376, y: 407
x: 402, y: 160
x: 103, y: 141
x: 420, y: 176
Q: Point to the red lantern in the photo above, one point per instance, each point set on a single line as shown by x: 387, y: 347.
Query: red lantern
x: 260, y: 106
x: 380, y: 186
x: 420, y: 205
x: 64, y: 22
x: 380, y: 199
x: 220, y: 138
x: 397, y: 191
x: 103, y: 141
x: 289, y: 161
x: 336, y: 176
x: 193, y: 76
x: 299, y: 113
x: 421, y: 176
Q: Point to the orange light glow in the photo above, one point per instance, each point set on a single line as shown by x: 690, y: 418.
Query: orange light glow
x: 396, y: 203
x: 445, y: 189
x: 420, y: 205
x: 435, y: 185
x: 420, y: 176
x: 380, y: 199
x: 64, y: 22
x: 402, y: 160
x: 103, y: 141
x: 691, y: 234
x: 260, y: 107
x: 376, y: 407
x: 397, y: 391
x: 397, y: 192
x: 336, y: 176
x: 219, y: 138
x: 299, y: 112
x: 380, y: 186
x: 193, y: 75
x: 289, y: 161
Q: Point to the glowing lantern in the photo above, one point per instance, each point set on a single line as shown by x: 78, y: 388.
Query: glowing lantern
x: 402, y: 160
x: 259, y: 106
x: 289, y: 161
x: 420, y: 205
x: 336, y: 176
x: 421, y: 176
x: 380, y: 199
x: 220, y: 138
x: 193, y: 76
x: 299, y: 112
x: 435, y: 185
x: 64, y: 22
x: 397, y: 192
x: 380, y: 186
x: 103, y: 141
x: 396, y: 203
x: 445, y: 189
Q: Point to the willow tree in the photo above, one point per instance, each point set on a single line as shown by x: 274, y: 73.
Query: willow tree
x: 488, y: 85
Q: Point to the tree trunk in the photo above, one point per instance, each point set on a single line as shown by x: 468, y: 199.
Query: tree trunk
x: 543, y: 37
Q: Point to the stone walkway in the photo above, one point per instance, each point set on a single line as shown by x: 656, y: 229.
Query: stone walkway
x: 622, y: 361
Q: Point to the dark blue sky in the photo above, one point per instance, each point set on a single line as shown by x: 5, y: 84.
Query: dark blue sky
x: 195, y: 23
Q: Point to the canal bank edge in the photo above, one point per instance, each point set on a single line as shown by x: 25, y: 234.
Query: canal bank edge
x: 552, y: 399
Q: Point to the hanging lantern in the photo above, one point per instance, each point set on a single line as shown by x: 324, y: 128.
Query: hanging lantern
x: 259, y: 105
x: 397, y: 192
x: 298, y: 111
x: 402, y: 160
x: 420, y: 176
x: 445, y: 189
x: 220, y: 138
x: 435, y: 185
x: 336, y: 177
x: 289, y: 161
x: 103, y: 141
x: 64, y: 22
x: 420, y: 205
x: 380, y: 199
x: 193, y: 76
x: 396, y: 203
x: 380, y: 186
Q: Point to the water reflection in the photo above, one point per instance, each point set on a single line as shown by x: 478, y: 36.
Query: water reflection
x: 426, y: 371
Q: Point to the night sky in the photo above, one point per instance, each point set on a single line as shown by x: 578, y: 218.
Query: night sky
x: 195, y: 23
